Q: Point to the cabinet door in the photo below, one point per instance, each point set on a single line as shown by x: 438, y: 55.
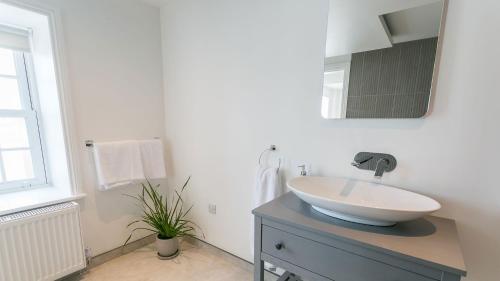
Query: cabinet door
x: 330, y: 262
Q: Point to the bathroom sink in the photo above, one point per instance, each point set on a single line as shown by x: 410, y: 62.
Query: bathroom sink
x: 360, y: 201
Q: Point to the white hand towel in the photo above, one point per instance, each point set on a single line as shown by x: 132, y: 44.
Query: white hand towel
x: 117, y: 163
x: 152, y: 158
x: 267, y: 187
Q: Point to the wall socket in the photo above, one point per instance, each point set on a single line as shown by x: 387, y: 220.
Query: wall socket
x: 212, y: 209
x: 88, y: 256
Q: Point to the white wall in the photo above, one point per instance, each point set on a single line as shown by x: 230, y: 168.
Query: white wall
x: 113, y: 53
x: 240, y: 75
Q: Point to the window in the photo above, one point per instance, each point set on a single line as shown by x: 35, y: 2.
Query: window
x: 37, y: 142
x: 335, y: 88
x: 21, y: 154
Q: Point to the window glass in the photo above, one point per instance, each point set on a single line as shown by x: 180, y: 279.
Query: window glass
x: 21, y: 154
x: 333, y: 94
x: 18, y: 165
x: 7, y: 65
x: 9, y: 94
x: 13, y: 133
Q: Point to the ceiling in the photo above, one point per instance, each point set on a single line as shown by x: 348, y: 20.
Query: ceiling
x: 362, y: 25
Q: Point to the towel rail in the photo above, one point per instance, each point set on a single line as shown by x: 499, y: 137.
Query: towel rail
x: 90, y: 143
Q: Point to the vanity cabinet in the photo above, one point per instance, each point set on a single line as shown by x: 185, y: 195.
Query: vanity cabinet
x: 293, y: 236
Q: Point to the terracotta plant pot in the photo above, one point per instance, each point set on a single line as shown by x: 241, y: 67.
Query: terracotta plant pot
x: 167, y: 247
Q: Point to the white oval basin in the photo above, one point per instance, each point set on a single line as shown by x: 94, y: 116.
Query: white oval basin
x: 360, y: 201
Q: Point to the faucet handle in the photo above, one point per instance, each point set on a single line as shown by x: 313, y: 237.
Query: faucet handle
x: 359, y: 163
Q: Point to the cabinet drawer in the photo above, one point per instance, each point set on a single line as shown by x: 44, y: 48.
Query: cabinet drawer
x: 330, y: 262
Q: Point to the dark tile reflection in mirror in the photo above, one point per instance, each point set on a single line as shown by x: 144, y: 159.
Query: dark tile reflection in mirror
x: 393, y: 82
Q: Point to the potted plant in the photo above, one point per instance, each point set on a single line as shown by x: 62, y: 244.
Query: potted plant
x: 167, y: 219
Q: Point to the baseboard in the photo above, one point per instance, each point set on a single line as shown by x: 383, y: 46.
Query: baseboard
x: 120, y: 251
x: 132, y: 246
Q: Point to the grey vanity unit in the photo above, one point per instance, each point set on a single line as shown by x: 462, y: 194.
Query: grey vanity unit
x: 291, y: 235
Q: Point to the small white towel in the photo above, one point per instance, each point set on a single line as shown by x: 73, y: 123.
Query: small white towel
x: 152, y: 156
x: 117, y: 163
x: 267, y: 187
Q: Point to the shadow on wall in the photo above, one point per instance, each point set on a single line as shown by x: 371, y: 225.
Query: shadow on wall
x: 374, y: 124
x: 169, y: 159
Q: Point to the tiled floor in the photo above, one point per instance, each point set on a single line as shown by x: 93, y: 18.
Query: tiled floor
x: 198, y: 262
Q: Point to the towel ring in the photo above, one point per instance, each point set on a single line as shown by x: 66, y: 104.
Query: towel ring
x: 271, y: 148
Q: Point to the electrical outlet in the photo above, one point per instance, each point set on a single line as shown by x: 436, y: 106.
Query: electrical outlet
x: 88, y: 255
x: 212, y: 209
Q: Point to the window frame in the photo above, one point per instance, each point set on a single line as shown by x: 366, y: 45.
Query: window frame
x: 30, y: 112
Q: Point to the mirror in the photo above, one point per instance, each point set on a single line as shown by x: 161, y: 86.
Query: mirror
x: 380, y: 58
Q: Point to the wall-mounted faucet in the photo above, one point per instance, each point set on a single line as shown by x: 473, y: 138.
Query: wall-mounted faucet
x: 378, y: 162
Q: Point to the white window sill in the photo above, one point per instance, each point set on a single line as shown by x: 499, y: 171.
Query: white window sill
x: 35, y: 198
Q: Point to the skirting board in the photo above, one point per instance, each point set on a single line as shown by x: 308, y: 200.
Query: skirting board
x: 115, y: 253
x: 120, y: 251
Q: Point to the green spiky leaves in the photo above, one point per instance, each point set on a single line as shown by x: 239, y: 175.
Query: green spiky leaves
x: 167, y: 218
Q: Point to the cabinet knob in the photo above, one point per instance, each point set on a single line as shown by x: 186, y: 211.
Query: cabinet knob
x: 279, y: 246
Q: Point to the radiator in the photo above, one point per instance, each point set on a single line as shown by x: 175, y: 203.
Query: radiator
x: 41, y: 244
